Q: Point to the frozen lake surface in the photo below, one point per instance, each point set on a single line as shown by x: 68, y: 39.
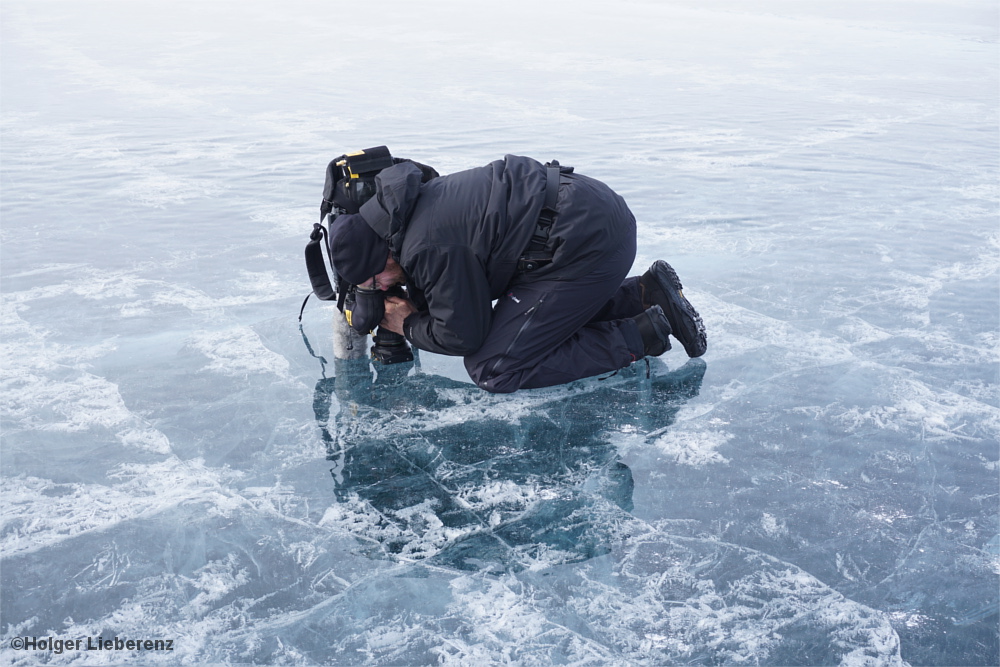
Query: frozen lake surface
x: 180, y: 461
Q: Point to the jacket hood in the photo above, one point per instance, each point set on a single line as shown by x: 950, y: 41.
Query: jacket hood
x: 389, y: 211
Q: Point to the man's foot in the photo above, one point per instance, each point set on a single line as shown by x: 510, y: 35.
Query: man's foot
x: 655, y: 331
x: 661, y: 287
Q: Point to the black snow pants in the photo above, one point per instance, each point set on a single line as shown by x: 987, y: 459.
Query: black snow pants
x: 549, y: 330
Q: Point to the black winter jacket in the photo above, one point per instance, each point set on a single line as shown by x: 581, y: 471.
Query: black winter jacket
x: 459, y: 237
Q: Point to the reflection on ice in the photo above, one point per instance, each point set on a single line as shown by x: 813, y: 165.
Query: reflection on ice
x: 509, y: 519
x: 457, y: 474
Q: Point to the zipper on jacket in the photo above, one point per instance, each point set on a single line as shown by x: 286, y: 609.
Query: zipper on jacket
x: 529, y: 314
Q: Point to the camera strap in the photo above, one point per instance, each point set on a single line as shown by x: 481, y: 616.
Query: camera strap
x: 537, y: 253
x: 315, y: 265
x: 318, y: 276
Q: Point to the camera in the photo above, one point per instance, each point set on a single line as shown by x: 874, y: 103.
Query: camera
x: 364, y: 309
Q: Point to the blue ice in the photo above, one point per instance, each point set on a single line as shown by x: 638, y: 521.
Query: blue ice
x: 181, y: 461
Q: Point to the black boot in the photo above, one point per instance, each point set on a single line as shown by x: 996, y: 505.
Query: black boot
x: 661, y: 286
x: 655, y: 331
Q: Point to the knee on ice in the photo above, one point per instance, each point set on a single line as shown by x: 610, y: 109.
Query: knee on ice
x: 503, y: 382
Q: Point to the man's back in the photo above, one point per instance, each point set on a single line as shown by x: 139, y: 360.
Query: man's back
x: 490, y: 210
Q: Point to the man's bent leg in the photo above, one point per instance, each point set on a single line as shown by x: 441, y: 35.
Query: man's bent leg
x: 542, y: 332
x: 542, y: 335
x: 626, y: 302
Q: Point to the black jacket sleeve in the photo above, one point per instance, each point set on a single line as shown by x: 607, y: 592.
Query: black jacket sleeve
x: 459, y: 309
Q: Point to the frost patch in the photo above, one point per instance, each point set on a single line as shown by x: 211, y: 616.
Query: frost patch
x: 157, y: 189
x: 284, y: 220
x: 940, y: 415
x: 39, y: 513
x: 987, y: 191
x: 148, y: 439
x: 498, y: 493
x: 694, y: 448
x: 495, y: 612
x: 238, y: 351
x: 216, y: 580
x: 860, y: 332
x: 47, y: 387
x: 263, y: 286
x: 772, y: 527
